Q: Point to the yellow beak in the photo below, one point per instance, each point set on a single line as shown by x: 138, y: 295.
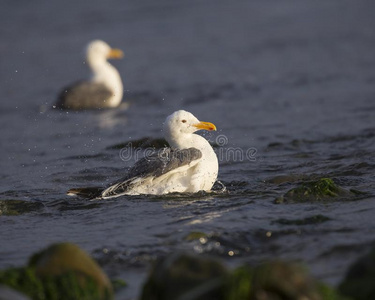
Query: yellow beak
x: 205, y: 126
x: 115, y: 53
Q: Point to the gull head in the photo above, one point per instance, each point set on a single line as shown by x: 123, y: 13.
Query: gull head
x: 99, y: 51
x: 182, y: 122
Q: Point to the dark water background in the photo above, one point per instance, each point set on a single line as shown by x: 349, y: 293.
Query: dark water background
x: 294, y: 80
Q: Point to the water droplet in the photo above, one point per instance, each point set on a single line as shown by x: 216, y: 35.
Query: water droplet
x: 203, y: 240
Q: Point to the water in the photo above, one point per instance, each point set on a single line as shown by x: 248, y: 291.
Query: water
x: 293, y: 82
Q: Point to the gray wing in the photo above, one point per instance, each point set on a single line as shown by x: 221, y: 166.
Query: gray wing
x: 154, y: 165
x: 84, y: 95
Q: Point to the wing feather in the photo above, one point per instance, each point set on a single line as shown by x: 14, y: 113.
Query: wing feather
x: 154, y: 166
x: 83, y: 95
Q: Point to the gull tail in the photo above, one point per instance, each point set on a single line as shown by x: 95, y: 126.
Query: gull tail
x: 88, y: 192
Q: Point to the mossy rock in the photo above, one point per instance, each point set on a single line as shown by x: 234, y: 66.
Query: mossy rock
x: 276, y: 280
x: 328, y: 293
x: 239, y: 284
x: 185, y: 277
x: 23, y: 280
x: 62, y: 271
x: 282, y: 280
x: 18, y: 207
x: 58, y: 259
x: 195, y: 235
x: 318, y: 190
x: 359, y: 281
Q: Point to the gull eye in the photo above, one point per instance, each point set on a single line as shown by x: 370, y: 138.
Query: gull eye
x: 183, y: 121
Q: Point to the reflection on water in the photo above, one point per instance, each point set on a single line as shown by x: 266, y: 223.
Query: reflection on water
x: 110, y: 118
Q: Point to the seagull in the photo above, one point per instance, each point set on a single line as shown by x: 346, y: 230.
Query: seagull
x: 103, y: 90
x: 189, y: 165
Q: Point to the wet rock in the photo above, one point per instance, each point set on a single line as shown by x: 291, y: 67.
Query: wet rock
x: 60, y: 259
x: 284, y: 178
x: 23, y: 280
x: 359, y: 281
x: 185, y: 277
x: 195, y: 235
x: 62, y: 271
x: 281, y: 280
x: 18, y: 207
x: 306, y: 221
x: 318, y: 190
x: 239, y: 284
x: 276, y: 281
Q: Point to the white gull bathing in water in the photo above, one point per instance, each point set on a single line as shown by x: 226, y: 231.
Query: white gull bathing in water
x: 189, y: 166
x: 103, y: 90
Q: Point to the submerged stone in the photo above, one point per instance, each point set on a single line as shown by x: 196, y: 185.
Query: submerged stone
x: 284, y: 178
x: 185, y: 277
x: 359, y: 281
x: 318, y: 190
x: 306, y: 221
x: 195, y: 235
x: 18, y: 207
x: 62, y: 271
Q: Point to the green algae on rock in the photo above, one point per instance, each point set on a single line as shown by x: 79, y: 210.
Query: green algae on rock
x: 318, y: 190
x: 62, y: 271
x: 182, y: 276
x: 359, y: 280
x: 60, y: 258
x: 118, y: 284
x: 276, y: 280
x: 18, y: 207
x: 238, y: 284
x: 198, y: 278
x: 70, y: 285
x: 195, y: 235
x: 285, y: 280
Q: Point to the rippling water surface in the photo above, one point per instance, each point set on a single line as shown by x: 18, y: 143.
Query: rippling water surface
x: 290, y: 83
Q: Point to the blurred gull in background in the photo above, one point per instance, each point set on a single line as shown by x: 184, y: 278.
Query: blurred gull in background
x: 103, y: 90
